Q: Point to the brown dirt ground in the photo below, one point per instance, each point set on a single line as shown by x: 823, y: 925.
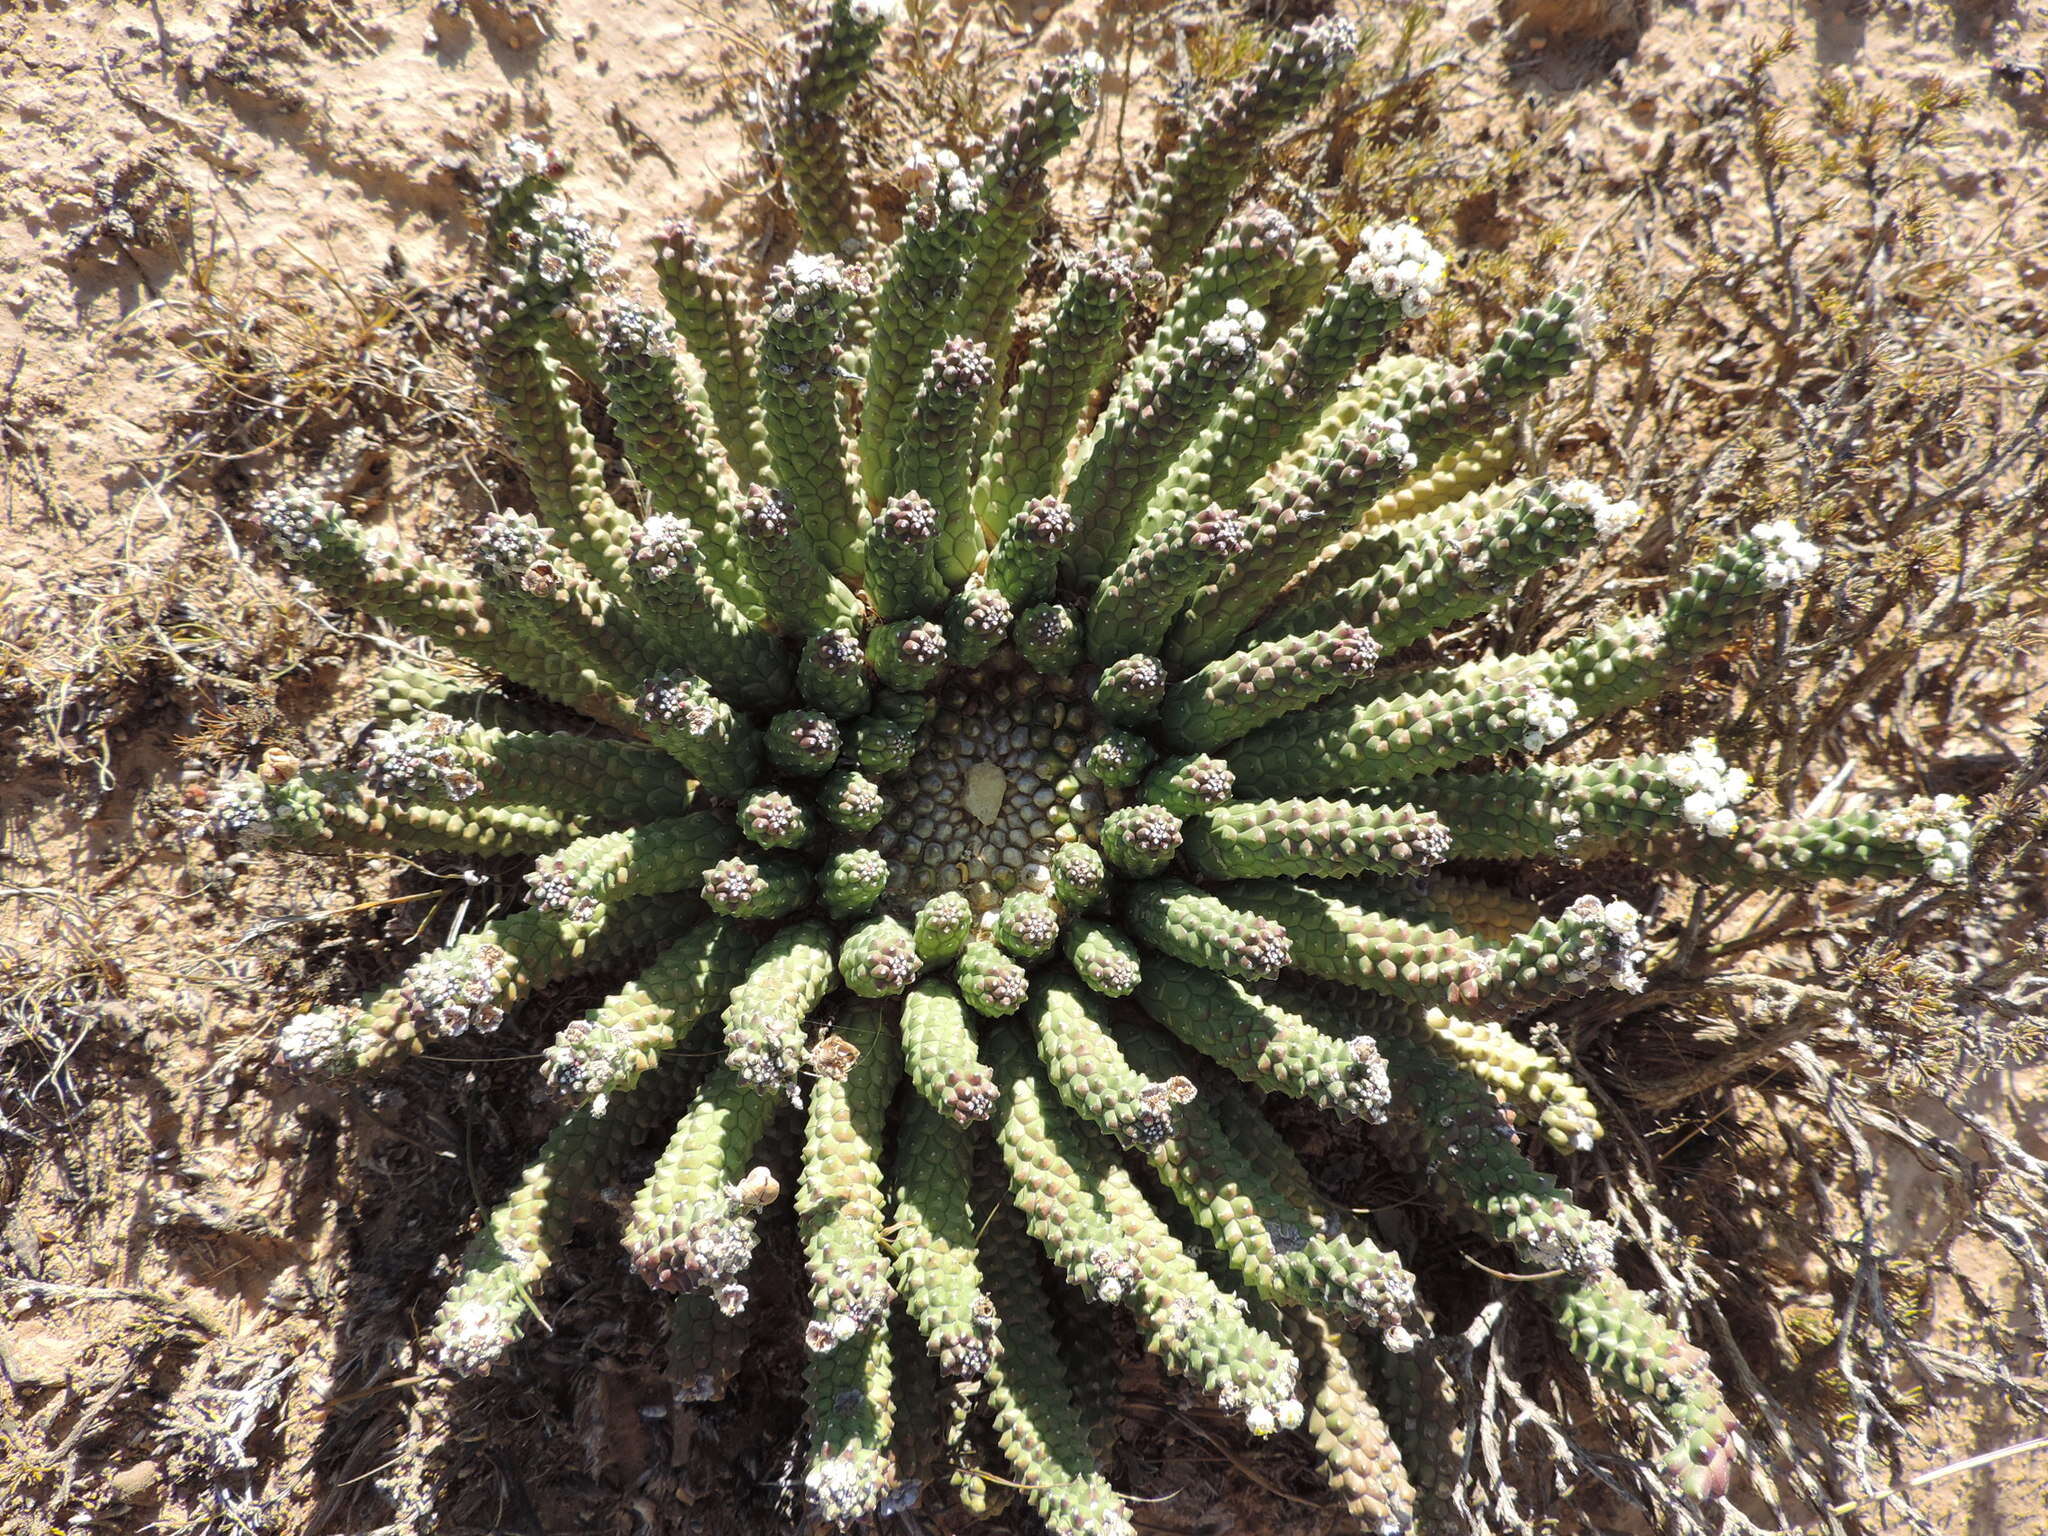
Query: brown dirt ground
x: 207, y: 1287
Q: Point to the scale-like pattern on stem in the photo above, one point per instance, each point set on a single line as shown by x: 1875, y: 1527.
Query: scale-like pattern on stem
x: 1019, y: 778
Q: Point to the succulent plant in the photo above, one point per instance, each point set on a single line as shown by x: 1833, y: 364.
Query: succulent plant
x: 1011, y: 753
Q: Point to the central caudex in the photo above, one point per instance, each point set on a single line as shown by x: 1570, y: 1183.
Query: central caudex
x: 993, y: 794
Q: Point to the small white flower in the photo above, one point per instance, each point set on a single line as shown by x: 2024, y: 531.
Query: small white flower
x: 1549, y: 717
x: 805, y: 270
x: 1237, y: 331
x: 1622, y: 920
x: 531, y: 156
x: 1788, y: 555
x: 731, y: 1299
x: 1711, y: 787
x: 1394, y: 444
x: 1398, y: 263
x: 1611, y: 516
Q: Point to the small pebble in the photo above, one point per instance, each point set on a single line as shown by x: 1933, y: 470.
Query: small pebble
x: 135, y: 1484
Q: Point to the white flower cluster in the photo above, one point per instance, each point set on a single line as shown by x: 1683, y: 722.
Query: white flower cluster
x: 1789, y: 556
x: 874, y: 13
x: 418, y: 758
x: 570, y: 229
x: 315, y: 1042
x: 473, y: 1334
x: 584, y: 1060
x: 1239, y: 328
x: 1392, y: 442
x: 1595, y: 937
x: 1612, y: 515
x: 1326, y: 44
x: 1615, y: 933
x: 508, y: 544
x: 240, y: 810
x: 808, y: 270
x: 551, y: 884
x: 939, y: 175
x: 806, y: 276
x: 663, y: 544
x: 1940, y: 831
x: 456, y: 990
x: 531, y: 156
x: 1583, y: 1248
x: 296, y: 516
x: 634, y: 327
x: 1625, y: 923
x: 1548, y: 716
x: 1711, y: 787
x: 1400, y: 264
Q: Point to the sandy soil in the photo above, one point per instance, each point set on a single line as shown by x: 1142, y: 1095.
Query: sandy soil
x: 209, y: 1277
